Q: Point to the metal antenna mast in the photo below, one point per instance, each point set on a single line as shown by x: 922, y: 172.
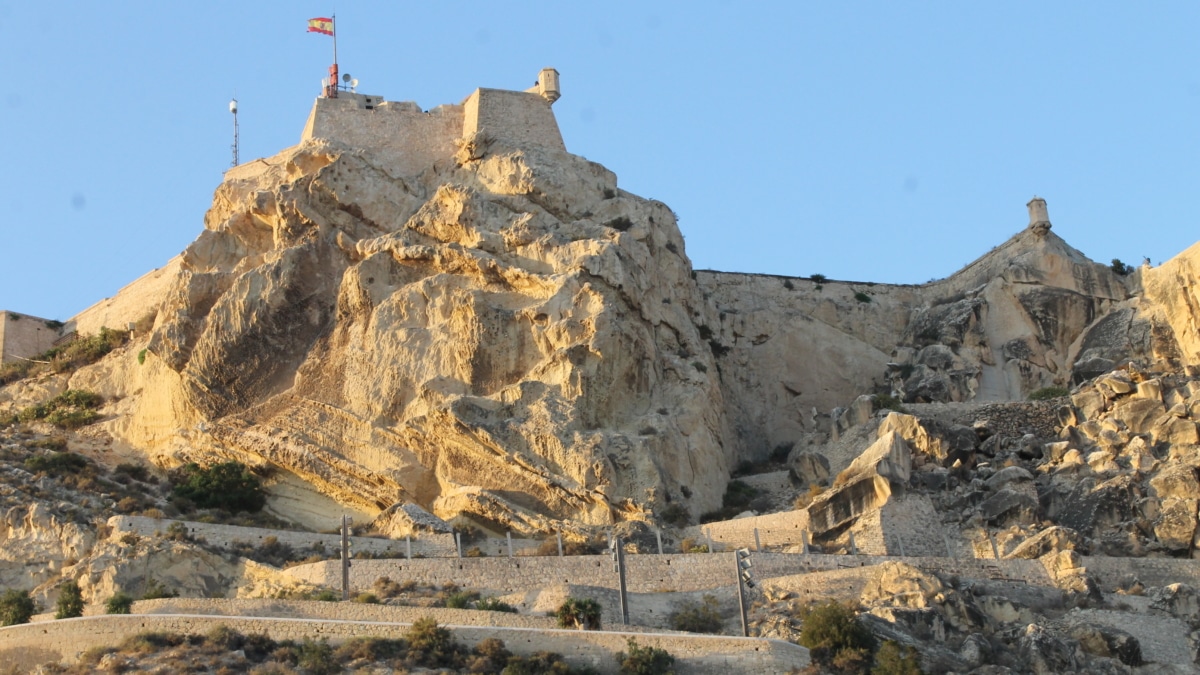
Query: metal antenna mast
x: 233, y: 109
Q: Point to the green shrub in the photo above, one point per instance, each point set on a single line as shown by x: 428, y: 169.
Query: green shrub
x: 69, y: 410
x: 831, y: 631
x: 370, y: 649
x: 539, y: 663
x: 1047, y: 393
x: 894, y: 659
x: 15, y: 607
x: 366, y: 599
x: 495, y: 605
x: 142, y: 357
x: 137, y: 472
x: 818, y: 278
x: 56, y: 463
x: 119, y: 603
x: 737, y: 498
x: 676, y: 515
x: 461, y: 599
x: 886, y: 402
x: 579, y: 613
x: 490, y: 656
x: 698, y: 617
x: 641, y: 660
x: 70, y: 601
x: 228, y: 486
x: 1120, y: 268
x: 327, y: 595
x: 861, y: 297
x: 317, y: 657
x: 432, y: 646
x: 65, y: 358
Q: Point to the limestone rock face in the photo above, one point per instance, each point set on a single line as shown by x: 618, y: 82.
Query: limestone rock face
x: 512, y: 325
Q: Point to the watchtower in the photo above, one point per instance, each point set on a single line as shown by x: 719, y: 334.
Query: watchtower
x: 1039, y: 218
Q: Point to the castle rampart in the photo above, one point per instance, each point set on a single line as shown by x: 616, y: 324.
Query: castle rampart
x: 410, y: 140
x: 23, y: 336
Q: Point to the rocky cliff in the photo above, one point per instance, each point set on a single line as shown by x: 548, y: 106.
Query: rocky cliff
x: 507, y: 336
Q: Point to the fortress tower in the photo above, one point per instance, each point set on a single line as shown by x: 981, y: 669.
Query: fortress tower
x: 410, y: 139
x: 1039, y: 218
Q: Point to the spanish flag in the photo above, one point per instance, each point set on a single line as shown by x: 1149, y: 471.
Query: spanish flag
x: 321, y: 25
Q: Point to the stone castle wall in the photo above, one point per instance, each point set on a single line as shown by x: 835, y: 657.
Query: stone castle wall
x: 135, y: 301
x: 23, y: 336
x: 25, y: 646
x: 401, y: 134
x: 410, y: 140
x: 516, y: 118
x: 227, y: 535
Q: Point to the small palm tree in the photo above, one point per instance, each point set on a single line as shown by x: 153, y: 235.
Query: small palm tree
x: 579, y: 613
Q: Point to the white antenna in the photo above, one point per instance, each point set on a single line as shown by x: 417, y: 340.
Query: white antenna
x: 233, y: 109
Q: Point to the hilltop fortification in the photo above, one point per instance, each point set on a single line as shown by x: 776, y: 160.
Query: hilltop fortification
x: 446, y: 307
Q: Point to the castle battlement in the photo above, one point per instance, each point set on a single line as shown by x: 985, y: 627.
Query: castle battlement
x: 411, y: 139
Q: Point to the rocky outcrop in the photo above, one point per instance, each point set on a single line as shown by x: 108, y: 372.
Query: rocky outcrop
x: 513, y: 326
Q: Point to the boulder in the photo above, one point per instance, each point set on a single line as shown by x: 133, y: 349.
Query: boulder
x: 1174, y: 430
x: 808, y: 468
x: 1176, y: 526
x: 1089, y: 402
x: 1007, y: 475
x: 1008, y: 506
x: 914, y: 432
x: 1044, y: 653
x: 1178, y: 600
x: 1176, y: 481
x: 975, y: 650
x: 1116, y: 382
x: 888, y: 457
x: 1050, y: 540
x: 1108, y: 642
x: 1138, y: 415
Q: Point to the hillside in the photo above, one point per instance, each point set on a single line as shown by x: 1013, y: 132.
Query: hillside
x: 447, y: 311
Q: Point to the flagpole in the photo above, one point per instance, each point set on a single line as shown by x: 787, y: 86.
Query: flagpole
x: 333, y: 25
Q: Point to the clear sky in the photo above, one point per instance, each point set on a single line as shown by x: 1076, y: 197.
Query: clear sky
x: 874, y: 141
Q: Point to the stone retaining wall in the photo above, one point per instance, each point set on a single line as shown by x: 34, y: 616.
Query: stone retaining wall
x: 648, y: 573
x: 339, y: 611
x: 226, y: 535
x: 26, y: 646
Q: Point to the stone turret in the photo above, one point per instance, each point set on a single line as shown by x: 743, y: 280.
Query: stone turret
x: 547, y: 85
x: 1039, y: 218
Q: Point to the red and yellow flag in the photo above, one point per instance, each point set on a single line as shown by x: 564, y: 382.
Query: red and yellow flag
x: 321, y: 25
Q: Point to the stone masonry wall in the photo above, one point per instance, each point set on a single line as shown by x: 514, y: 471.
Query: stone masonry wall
x: 774, y: 529
x: 515, y: 118
x: 24, y: 336
x: 226, y: 535
x: 25, y: 646
x: 337, y: 611
x: 407, y: 139
x: 133, y: 302
x: 650, y: 573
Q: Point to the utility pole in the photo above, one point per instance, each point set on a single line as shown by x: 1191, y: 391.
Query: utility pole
x: 742, y: 565
x: 618, y: 557
x: 345, y: 557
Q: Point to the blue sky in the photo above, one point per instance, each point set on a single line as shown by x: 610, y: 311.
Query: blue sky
x: 889, y: 142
